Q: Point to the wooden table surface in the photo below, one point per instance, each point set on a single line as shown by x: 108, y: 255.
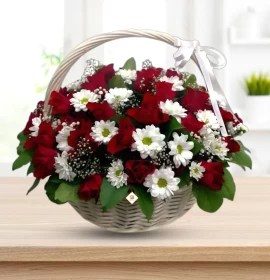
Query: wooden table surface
x: 41, y: 240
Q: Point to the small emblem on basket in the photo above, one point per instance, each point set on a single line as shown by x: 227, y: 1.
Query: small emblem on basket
x: 132, y: 197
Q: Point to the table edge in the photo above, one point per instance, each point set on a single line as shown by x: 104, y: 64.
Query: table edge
x: 135, y: 254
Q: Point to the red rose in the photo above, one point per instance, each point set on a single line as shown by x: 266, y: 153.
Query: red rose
x: 213, y: 175
x: 46, y: 137
x: 195, y: 100
x: 43, y: 161
x: 232, y: 145
x: 100, y: 78
x: 226, y: 116
x: 90, y: 188
x: 137, y: 170
x: 164, y: 91
x: 146, y: 79
x: 149, y: 112
x: 60, y: 102
x: 101, y: 111
x: 123, y: 140
x: 29, y: 124
x: 173, y: 73
x: 191, y: 123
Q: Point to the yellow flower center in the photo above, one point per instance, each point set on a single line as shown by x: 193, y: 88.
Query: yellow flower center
x: 147, y: 141
x: 179, y: 149
x: 162, y: 183
x: 196, y: 170
x: 84, y: 100
x: 106, y: 132
x: 118, y: 173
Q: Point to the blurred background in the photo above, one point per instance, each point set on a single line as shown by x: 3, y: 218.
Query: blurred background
x: 35, y: 35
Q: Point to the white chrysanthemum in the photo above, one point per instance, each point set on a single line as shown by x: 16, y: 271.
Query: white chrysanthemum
x: 103, y: 132
x: 118, y: 96
x: 196, y: 170
x: 180, y: 149
x: 81, y: 98
x: 62, y: 138
x: 177, y: 84
x: 35, y: 128
x: 116, y: 174
x: 148, y: 141
x: 162, y: 184
x: 218, y: 148
x: 173, y: 109
x: 62, y: 168
x: 208, y: 118
x: 127, y: 75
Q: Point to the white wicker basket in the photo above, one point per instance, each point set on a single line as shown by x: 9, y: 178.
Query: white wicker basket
x: 125, y: 217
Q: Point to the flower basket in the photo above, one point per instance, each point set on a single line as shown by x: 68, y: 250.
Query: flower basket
x: 133, y: 149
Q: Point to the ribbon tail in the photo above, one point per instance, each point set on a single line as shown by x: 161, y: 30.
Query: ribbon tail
x: 212, y: 85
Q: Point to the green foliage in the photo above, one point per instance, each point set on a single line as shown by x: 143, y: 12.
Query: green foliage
x: 189, y: 80
x: 241, y: 158
x: 211, y: 200
x: 130, y: 64
x: 110, y: 195
x: 184, y: 178
x: 117, y: 118
x: 67, y: 193
x: 24, y: 156
x: 257, y: 84
x: 51, y: 186
x: 116, y: 82
x: 144, y: 200
x: 35, y: 184
x: 171, y: 126
x: 30, y: 169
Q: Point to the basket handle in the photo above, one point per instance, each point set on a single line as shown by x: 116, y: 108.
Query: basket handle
x: 186, y: 50
x: 94, y: 42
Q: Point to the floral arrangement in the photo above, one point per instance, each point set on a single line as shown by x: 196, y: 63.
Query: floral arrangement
x: 149, y: 132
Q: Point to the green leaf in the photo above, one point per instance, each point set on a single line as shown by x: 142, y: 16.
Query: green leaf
x: 30, y: 169
x: 35, y: 184
x: 116, y: 118
x: 67, y: 193
x: 228, y: 188
x: 190, y: 81
x: 22, y: 139
x: 242, y: 146
x: 184, y: 178
x: 116, y: 82
x: 24, y: 158
x: 110, y: 196
x: 130, y: 64
x: 207, y: 199
x: 171, y: 126
x: 51, y: 186
x: 145, y: 201
x: 242, y: 159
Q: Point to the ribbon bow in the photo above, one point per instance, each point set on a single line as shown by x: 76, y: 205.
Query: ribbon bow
x: 192, y: 50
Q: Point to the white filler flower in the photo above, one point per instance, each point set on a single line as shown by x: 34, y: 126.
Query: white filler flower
x: 177, y: 84
x: 196, y: 170
x: 35, y: 128
x: 127, y: 75
x: 81, y: 98
x: 62, y: 168
x: 116, y: 174
x: 162, y: 184
x: 180, y: 149
x: 118, y: 96
x: 173, y: 109
x: 148, y: 141
x: 103, y: 132
x: 208, y: 118
x: 62, y: 138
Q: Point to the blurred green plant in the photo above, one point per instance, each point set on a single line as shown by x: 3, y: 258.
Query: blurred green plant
x: 257, y: 84
x: 50, y: 62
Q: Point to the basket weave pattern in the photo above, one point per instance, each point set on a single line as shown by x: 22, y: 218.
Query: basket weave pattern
x: 126, y: 217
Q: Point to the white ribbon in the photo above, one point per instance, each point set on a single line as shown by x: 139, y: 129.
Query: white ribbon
x: 192, y: 50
